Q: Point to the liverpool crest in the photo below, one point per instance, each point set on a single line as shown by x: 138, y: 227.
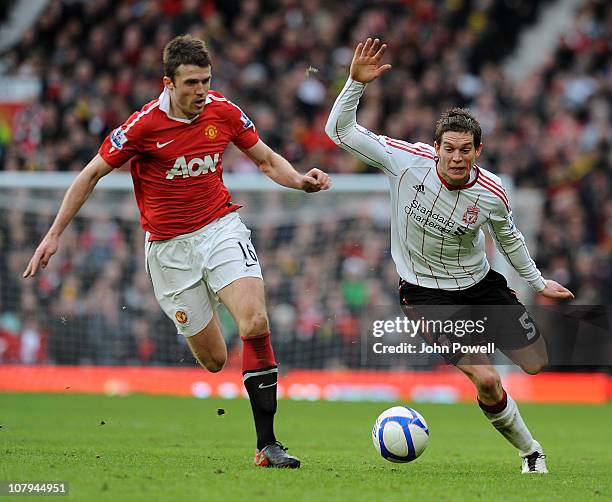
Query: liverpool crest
x: 471, y: 215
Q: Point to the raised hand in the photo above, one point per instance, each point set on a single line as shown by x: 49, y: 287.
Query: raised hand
x: 365, y: 66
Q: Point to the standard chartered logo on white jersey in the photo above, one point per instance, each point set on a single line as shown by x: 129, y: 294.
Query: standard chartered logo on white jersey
x: 428, y: 218
x: 194, y: 167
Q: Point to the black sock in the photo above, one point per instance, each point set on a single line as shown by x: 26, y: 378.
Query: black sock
x: 261, y: 387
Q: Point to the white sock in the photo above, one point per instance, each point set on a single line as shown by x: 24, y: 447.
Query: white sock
x: 511, y: 425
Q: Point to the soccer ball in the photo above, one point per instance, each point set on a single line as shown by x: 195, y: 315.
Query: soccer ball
x: 400, y: 434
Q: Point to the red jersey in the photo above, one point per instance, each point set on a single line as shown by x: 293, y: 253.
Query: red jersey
x: 176, y: 163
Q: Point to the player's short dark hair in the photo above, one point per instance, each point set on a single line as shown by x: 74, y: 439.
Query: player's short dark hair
x: 458, y: 120
x: 184, y: 49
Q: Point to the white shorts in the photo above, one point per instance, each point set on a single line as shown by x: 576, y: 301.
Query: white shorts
x: 187, y: 271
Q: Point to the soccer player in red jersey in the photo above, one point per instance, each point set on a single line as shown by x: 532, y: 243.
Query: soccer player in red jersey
x: 198, y: 251
x: 440, y: 201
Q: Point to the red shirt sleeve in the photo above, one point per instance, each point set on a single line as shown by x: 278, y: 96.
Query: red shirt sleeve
x: 244, y: 134
x: 123, y: 143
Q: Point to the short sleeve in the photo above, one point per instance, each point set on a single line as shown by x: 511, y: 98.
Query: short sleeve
x: 244, y: 134
x: 122, y: 143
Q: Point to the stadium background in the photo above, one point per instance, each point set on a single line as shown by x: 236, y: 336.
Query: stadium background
x: 77, y: 69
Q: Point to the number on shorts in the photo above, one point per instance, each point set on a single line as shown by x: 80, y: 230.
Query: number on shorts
x: 250, y: 251
x: 527, y: 323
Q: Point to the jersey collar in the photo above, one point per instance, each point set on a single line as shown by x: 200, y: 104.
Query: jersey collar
x: 471, y: 181
x: 164, y: 106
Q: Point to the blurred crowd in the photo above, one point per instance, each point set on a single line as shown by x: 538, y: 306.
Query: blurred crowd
x: 284, y: 62
x: 94, y: 303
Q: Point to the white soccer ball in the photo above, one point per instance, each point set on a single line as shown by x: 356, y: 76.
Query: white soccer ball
x: 400, y: 434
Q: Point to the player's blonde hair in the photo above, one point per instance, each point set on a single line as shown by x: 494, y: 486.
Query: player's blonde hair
x: 184, y: 49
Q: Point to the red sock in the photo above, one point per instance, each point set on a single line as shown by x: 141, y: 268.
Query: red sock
x: 257, y: 352
x: 260, y: 376
x: 497, y: 407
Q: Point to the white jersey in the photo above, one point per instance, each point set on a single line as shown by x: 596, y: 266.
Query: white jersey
x: 436, y: 236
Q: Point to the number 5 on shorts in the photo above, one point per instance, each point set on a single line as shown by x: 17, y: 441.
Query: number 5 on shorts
x: 246, y: 248
x: 527, y: 323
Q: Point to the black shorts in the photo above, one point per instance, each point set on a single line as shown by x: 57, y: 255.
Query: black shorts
x: 498, y: 315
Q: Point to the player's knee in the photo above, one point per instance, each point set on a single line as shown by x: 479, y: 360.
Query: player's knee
x: 214, y: 367
x: 253, y: 325
x: 488, y: 382
x: 212, y: 361
x: 533, y: 367
x: 214, y: 364
x: 534, y: 362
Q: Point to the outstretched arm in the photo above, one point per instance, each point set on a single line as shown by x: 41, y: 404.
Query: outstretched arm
x: 282, y: 172
x: 511, y: 243
x: 76, y: 195
x: 342, y: 125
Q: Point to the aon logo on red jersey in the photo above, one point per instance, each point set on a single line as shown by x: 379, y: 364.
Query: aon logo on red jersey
x: 194, y: 167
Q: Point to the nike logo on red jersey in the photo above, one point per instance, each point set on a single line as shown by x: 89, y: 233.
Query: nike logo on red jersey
x: 161, y: 145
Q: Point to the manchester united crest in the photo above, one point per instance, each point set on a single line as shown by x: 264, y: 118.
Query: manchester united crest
x: 210, y: 131
x: 181, y: 317
x: 471, y: 215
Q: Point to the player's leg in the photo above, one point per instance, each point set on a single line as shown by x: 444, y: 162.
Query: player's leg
x: 515, y: 332
x: 208, y: 346
x: 186, y: 299
x: 502, y: 411
x: 233, y: 272
x: 497, y: 405
x: 484, y: 376
x: 244, y: 298
x: 518, y: 337
x: 532, y: 359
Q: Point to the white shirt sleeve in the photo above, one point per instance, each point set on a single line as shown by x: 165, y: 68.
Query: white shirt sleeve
x: 343, y: 130
x: 511, y: 243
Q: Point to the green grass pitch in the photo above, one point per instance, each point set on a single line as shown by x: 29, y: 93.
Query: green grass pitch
x: 169, y: 448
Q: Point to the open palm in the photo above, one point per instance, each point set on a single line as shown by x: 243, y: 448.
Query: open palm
x: 365, y: 66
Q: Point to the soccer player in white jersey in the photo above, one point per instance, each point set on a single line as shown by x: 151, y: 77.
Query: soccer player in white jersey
x: 197, y: 248
x: 440, y: 200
